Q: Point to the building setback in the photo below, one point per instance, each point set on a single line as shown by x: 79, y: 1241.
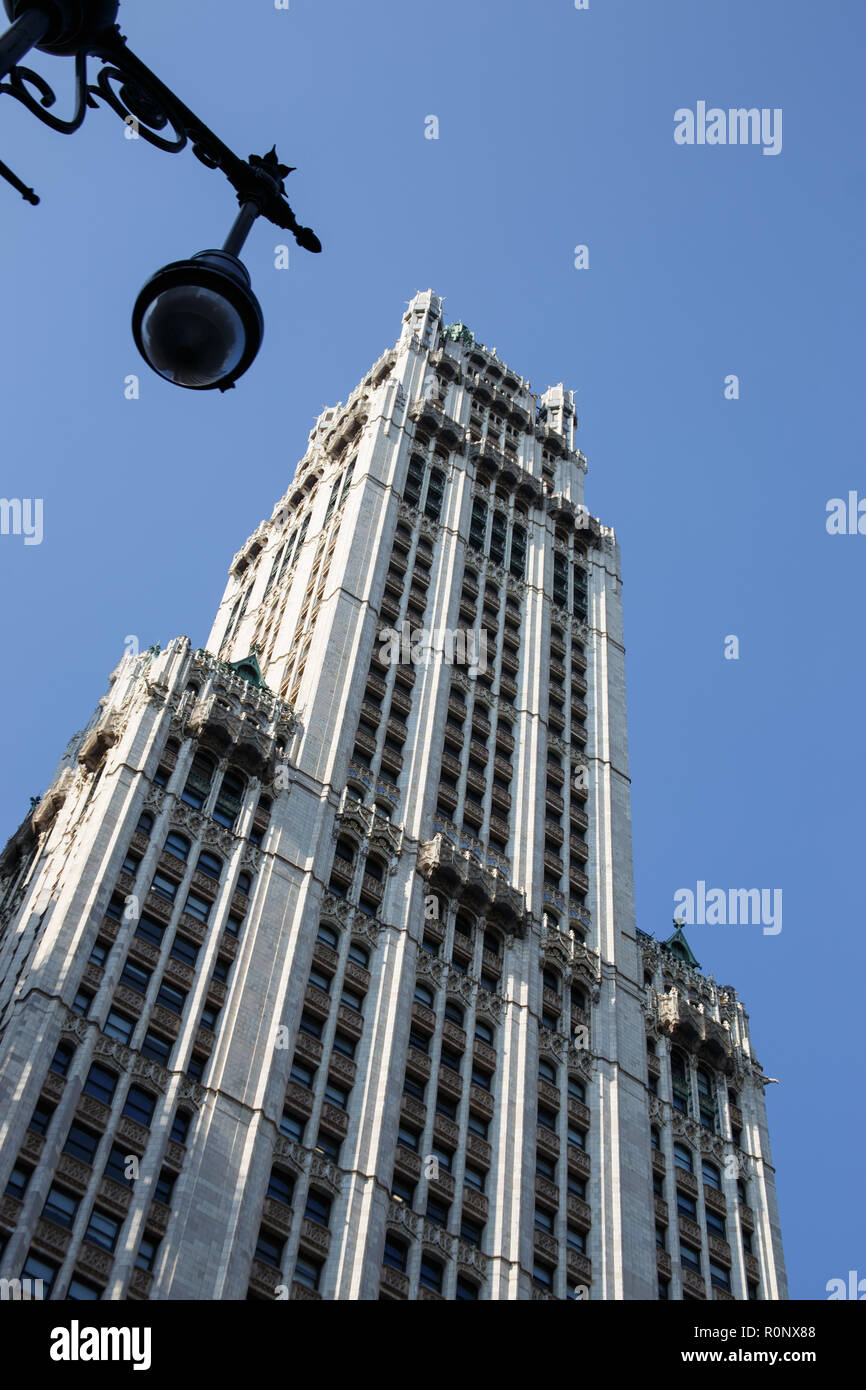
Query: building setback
x: 320, y: 974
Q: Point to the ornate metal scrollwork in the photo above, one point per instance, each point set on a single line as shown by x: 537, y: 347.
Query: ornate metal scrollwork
x: 155, y: 114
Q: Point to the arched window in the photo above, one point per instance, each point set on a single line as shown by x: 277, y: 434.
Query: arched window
x: 547, y: 1071
x: 244, y: 883
x: 228, y: 803
x: 454, y: 1013
x: 210, y: 865
x: 551, y: 980
x: 346, y: 850
x: 198, y: 781
x: 145, y: 823
x: 328, y: 935
x: 684, y: 1158
x: 706, y: 1098
x: 655, y: 1138
x: 177, y: 844
x: 577, y: 1091
x: 281, y: 1186
x: 374, y: 868
x: 435, y: 494
x: 578, y: 998
x: 712, y: 1176
x: 679, y: 1082
x: 359, y: 954
x: 424, y: 995
x: 483, y: 1032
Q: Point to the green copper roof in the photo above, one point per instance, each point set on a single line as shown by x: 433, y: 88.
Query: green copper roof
x: 249, y: 670
x: 679, y: 947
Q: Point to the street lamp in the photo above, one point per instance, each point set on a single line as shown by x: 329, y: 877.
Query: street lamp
x: 196, y: 322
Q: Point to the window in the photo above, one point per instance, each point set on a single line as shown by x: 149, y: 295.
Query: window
x: 139, y: 1106
x: 690, y: 1258
x: 402, y: 1190
x: 209, y: 1019
x: 156, y: 1047
x: 150, y: 930
x: 475, y: 1178
x: 146, y: 1257
x: 145, y: 823
x: 575, y: 1238
x: 476, y: 1124
x: 545, y: 1167
x: 100, y: 1084
x: 712, y: 1176
x: 716, y: 1224
x: 18, y: 1180
x: 344, y: 1045
x: 352, y: 1000
x: 424, y: 995
x: 281, y: 1187
x: 318, y: 1208
x: 409, y: 1137
x: 482, y: 1078
x: 413, y: 1087
x: 576, y: 1090
x: 135, y: 977
x: 328, y: 936
x: 60, y: 1206
x: 679, y: 1081
x: 687, y: 1206
x: 661, y: 1237
x: 421, y: 1042
x: 210, y: 865
x: 454, y: 1013
x: 546, y: 1071
x: 359, y: 954
x: 437, y: 1212
x: 544, y: 1220
x: 228, y: 802
x: 320, y: 980
x: 466, y: 1288
x: 269, y: 1249
x: 446, y: 1106
x: 165, y: 1186
x: 546, y: 1118
x: 471, y: 1232
x: 720, y: 1277
x: 292, y: 1126
x: 431, y: 1273
x: 99, y: 954
x: 308, y: 1271
x: 62, y: 1058
x: 683, y: 1158
x: 177, y: 844
x: 81, y: 1143
x: 302, y: 1074
x: 80, y: 1291
x: 41, y: 1117
x: 337, y: 1095
x: 483, y: 1032
x: 576, y: 1137
x: 396, y: 1253
x: 542, y: 1275
x: 184, y: 950
x: 244, y: 884
x: 576, y: 1186
x: 197, y: 907
x: 655, y: 1138
x: 82, y: 1002
x: 116, y: 1166
x: 327, y: 1145
x: 131, y: 864
x: 198, y: 781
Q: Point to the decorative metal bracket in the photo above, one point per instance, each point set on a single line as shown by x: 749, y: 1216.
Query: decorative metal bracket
x: 153, y: 111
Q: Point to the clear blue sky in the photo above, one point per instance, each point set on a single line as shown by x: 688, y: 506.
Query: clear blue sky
x: 556, y: 128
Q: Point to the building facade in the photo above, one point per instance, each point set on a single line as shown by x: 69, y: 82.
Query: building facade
x: 319, y: 974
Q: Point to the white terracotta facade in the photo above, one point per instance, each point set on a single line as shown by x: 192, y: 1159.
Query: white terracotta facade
x: 356, y: 940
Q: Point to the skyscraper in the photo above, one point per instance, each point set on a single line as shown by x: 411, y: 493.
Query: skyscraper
x: 320, y: 973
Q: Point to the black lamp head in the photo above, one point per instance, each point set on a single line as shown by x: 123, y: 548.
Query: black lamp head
x: 197, y: 322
